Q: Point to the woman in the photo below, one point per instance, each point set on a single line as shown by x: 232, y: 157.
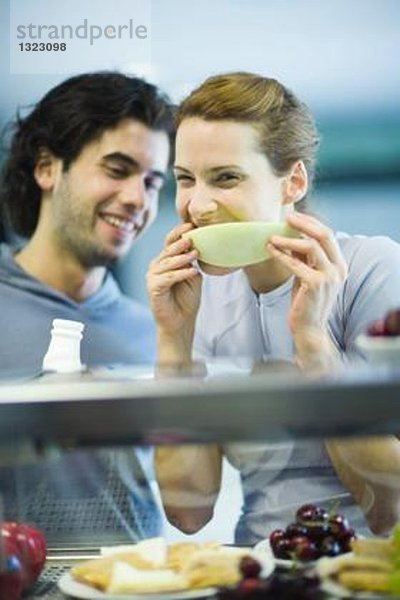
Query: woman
x: 245, y: 151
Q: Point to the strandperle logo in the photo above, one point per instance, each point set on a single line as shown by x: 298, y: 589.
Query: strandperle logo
x: 84, y: 31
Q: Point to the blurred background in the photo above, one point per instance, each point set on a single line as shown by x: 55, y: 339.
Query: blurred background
x: 342, y: 58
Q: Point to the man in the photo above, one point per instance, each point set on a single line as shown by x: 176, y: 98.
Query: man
x: 80, y: 184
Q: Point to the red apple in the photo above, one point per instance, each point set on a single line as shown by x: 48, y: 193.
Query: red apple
x: 11, y: 577
x: 28, y: 545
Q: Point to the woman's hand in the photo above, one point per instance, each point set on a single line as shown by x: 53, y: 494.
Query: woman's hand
x: 174, y: 285
x: 319, y: 269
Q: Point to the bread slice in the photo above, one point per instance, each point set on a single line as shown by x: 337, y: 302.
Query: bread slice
x: 368, y: 581
x: 128, y: 580
x: 365, y: 571
x: 97, y: 572
x: 180, y: 553
x: 214, y: 567
x: 377, y: 547
x: 153, y: 550
x: 330, y: 567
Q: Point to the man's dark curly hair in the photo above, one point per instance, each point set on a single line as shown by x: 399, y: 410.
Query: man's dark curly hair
x: 67, y: 118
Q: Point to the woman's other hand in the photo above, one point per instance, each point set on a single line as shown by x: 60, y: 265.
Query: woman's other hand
x: 320, y: 270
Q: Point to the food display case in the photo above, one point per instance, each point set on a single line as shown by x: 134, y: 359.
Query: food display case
x: 50, y: 423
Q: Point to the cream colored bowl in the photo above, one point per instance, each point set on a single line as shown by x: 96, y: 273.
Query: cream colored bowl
x: 380, y: 350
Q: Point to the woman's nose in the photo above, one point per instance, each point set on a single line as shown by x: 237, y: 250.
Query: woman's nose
x: 201, y: 203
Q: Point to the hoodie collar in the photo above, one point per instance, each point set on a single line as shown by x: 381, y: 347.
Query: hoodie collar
x: 12, y: 274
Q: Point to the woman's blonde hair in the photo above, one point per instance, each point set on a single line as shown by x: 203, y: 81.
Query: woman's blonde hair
x: 287, y: 131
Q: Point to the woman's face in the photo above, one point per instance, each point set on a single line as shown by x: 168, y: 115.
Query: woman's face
x: 222, y: 176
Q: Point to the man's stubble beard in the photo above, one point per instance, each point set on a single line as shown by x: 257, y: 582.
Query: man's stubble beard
x: 75, y: 232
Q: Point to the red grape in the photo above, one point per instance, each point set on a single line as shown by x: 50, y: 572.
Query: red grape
x: 277, y: 534
x: 338, y: 524
x: 282, y: 549
x: 249, y: 567
x: 330, y: 547
x: 317, y: 531
x: 294, y: 530
x: 305, y: 513
x: 303, y: 548
x: 250, y: 585
x: 311, y: 512
x: 345, y: 539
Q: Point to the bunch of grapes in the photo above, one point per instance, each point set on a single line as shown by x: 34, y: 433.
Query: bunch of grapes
x: 315, y: 533
x: 281, y: 585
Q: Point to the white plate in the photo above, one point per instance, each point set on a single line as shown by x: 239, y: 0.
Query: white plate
x: 73, y: 588
x: 265, y: 550
x: 69, y: 586
x: 380, y: 350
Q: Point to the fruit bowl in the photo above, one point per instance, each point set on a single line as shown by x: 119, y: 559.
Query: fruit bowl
x: 381, y: 342
x: 380, y: 350
x: 236, y: 244
x: 264, y: 549
x: 314, y: 533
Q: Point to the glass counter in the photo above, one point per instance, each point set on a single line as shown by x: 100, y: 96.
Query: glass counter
x: 77, y: 451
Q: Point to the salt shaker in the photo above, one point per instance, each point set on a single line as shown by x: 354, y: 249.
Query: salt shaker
x: 63, y: 354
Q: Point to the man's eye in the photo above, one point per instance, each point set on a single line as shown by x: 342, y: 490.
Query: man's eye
x: 117, y: 173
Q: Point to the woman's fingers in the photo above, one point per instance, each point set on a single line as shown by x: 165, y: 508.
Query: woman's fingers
x: 177, y: 252
x: 295, y: 265
x: 165, y: 281
x: 174, y: 263
x: 175, y: 233
x: 323, y: 235
x: 178, y: 247
x: 171, y: 263
x: 312, y: 253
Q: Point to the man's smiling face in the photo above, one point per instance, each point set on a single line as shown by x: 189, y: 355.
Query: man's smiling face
x: 110, y: 192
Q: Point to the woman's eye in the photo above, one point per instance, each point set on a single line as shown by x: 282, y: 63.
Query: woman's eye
x: 183, y: 178
x: 227, y: 178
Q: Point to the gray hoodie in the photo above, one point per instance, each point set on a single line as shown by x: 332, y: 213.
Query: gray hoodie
x: 117, y: 329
